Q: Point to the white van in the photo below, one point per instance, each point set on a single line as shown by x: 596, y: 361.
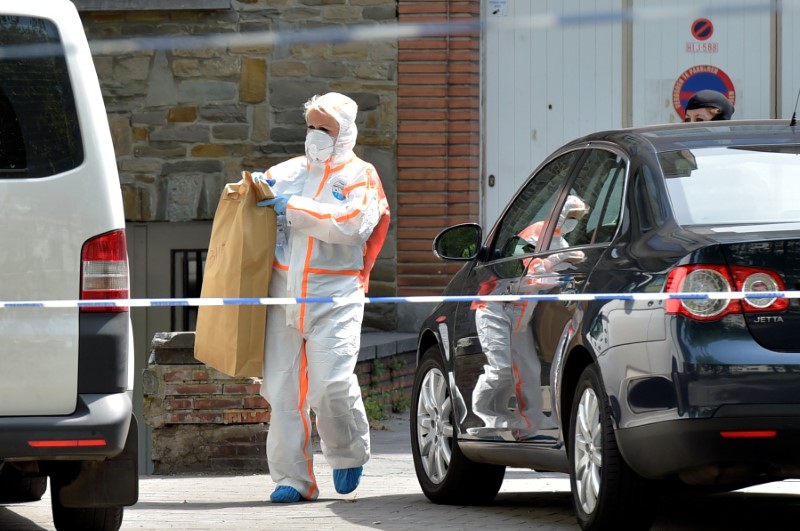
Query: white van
x: 66, y: 374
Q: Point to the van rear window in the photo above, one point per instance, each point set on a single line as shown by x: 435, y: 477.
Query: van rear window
x: 39, y: 131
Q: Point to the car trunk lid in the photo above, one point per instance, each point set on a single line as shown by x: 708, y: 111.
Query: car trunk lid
x: 773, y: 330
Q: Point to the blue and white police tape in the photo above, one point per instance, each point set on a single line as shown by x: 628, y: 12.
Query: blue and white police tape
x: 273, y: 301
x: 391, y: 31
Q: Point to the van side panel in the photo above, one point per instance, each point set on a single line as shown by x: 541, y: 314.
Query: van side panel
x: 44, y: 222
x: 38, y: 359
x: 66, y: 375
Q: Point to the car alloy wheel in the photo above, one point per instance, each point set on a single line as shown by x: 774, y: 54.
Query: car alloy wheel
x: 606, y: 492
x: 588, y: 451
x: 434, y: 429
x: 444, y: 473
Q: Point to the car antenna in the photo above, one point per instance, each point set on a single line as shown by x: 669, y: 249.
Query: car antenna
x: 793, y: 121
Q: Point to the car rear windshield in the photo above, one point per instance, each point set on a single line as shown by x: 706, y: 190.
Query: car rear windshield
x: 39, y: 132
x: 734, y: 185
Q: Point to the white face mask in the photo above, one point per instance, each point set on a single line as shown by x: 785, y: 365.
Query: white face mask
x: 569, y: 225
x: 319, y: 145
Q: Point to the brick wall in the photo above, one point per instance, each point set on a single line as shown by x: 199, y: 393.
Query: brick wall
x: 438, y: 140
x: 205, y: 421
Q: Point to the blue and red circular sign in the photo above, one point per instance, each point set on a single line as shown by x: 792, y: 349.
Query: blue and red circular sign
x: 698, y: 78
x: 702, y: 29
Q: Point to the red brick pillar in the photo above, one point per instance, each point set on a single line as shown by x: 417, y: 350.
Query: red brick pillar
x: 438, y: 141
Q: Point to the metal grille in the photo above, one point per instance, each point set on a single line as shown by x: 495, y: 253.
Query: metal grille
x: 187, y: 279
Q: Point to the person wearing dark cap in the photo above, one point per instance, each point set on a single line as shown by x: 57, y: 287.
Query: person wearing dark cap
x: 708, y: 105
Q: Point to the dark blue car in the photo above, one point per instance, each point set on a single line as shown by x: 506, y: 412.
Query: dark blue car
x: 602, y: 368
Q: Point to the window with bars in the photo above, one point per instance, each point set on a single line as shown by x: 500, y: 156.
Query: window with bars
x: 187, y: 266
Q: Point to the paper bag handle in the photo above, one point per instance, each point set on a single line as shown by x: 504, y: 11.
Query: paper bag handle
x: 261, y: 189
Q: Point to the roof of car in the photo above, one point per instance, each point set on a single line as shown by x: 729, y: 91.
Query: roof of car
x: 670, y: 137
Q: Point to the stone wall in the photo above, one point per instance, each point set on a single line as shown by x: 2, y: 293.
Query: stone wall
x: 188, y: 114
x: 205, y: 421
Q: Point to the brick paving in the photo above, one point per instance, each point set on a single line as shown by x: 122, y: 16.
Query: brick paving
x: 389, y: 498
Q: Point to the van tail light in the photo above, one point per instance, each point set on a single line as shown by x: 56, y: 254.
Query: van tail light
x: 66, y: 443
x: 104, y: 271
x: 712, y: 278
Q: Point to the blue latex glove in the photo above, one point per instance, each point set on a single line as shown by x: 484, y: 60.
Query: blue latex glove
x: 261, y: 176
x: 278, y: 203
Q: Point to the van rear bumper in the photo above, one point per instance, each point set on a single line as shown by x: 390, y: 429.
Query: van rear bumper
x: 97, y: 429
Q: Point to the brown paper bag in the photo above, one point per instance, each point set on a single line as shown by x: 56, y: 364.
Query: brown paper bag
x: 239, y: 263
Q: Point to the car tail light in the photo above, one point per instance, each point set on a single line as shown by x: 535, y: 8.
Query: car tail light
x: 711, y: 278
x: 104, y: 271
x: 750, y: 279
x: 749, y: 434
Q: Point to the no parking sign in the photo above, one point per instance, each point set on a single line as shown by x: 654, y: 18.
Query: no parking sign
x: 698, y: 78
x: 702, y: 29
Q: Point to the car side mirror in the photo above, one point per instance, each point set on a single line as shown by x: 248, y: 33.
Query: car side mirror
x: 459, y: 242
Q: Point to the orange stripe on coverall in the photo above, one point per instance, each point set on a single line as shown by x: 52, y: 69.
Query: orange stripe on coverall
x: 304, y: 283
x: 518, y: 385
x: 521, y: 320
x: 350, y: 215
x: 328, y: 171
x: 344, y: 272
x: 518, y: 388
x: 353, y: 187
x: 306, y: 421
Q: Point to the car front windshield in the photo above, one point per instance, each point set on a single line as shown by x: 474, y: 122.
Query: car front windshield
x: 734, y: 185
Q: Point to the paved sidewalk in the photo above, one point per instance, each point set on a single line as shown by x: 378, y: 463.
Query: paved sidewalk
x: 389, y: 498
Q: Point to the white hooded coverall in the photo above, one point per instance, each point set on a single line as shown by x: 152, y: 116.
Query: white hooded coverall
x: 335, y: 224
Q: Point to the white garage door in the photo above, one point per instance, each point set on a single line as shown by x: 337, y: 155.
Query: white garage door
x: 547, y: 82
x: 543, y: 86
x: 682, y: 51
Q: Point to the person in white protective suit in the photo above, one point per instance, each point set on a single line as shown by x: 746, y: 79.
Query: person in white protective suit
x: 513, y: 369
x: 332, y: 222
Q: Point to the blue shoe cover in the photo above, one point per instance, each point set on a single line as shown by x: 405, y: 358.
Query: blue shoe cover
x: 284, y: 494
x: 346, y: 480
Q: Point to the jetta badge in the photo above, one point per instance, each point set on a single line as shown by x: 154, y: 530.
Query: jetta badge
x: 768, y: 319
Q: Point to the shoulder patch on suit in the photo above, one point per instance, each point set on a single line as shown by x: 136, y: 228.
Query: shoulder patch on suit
x: 337, y: 189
